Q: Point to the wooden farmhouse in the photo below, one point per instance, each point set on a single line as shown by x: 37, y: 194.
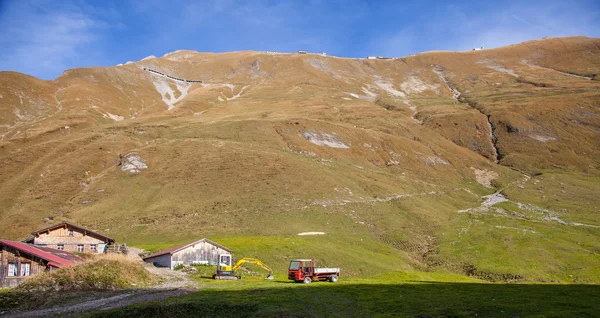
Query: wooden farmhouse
x: 203, y: 251
x: 19, y: 261
x: 70, y: 237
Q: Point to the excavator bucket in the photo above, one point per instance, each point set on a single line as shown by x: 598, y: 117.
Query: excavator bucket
x: 270, y: 276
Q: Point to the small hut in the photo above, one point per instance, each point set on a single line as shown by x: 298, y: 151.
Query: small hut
x: 203, y: 251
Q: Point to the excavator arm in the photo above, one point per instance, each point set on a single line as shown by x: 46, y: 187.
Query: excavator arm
x: 253, y: 261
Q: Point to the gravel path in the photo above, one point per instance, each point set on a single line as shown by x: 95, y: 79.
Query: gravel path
x: 122, y: 300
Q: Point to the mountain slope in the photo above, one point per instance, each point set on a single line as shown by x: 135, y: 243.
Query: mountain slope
x: 387, y: 156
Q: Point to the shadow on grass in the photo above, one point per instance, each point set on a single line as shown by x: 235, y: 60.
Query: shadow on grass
x: 368, y: 300
x: 205, y: 277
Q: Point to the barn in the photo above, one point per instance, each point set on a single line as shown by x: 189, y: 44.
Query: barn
x: 203, y: 251
x: 70, y: 237
x: 19, y: 261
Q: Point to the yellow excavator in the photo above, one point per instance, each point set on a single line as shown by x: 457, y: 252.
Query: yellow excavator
x: 226, y: 269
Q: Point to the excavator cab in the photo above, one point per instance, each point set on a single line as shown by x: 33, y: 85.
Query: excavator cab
x: 225, y: 264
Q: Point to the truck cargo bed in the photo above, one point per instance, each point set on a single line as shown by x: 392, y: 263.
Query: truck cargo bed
x: 326, y: 270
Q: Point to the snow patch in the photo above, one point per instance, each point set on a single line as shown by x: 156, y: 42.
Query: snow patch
x: 542, y: 138
x: 323, y: 139
x: 149, y: 57
x: 113, y: 117
x: 389, y: 88
x: 311, y: 233
x: 17, y: 113
x: 237, y: 95
x: 415, y: 85
x: 231, y: 86
x: 128, y: 62
x: 369, y: 93
x: 493, y: 199
x: 432, y: 161
x: 489, y: 200
x: 369, y: 96
x: 167, y: 94
x: 132, y: 162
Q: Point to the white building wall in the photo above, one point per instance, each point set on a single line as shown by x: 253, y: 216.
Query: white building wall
x: 201, y: 253
x: 160, y: 261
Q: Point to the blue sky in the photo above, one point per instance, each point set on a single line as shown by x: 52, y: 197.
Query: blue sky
x: 44, y: 37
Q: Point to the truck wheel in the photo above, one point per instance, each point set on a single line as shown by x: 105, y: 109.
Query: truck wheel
x: 307, y: 280
x: 333, y: 278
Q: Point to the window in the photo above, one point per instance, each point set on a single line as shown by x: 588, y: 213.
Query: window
x: 225, y: 260
x: 12, y: 270
x: 70, y: 233
x: 60, y: 247
x: 25, y: 269
x: 79, y: 247
x: 294, y: 265
x: 93, y: 247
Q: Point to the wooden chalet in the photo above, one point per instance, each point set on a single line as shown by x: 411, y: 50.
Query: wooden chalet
x: 70, y: 237
x: 19, y: 261
x: 203, y: 251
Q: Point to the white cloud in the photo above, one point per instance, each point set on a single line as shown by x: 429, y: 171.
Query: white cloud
x: 45, y: 41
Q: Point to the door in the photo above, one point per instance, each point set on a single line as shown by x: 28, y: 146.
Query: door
x: 307, y: 268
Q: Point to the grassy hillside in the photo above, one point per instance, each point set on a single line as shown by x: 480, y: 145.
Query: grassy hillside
x: 391, y: 158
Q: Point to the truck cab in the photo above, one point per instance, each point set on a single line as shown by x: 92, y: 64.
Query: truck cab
x: 300, y: 268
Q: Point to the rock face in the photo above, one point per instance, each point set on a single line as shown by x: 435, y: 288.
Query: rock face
x: 133, y: 163
x: 219, y: 141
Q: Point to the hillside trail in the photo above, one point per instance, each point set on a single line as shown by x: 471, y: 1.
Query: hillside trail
x: 173, y: 284
x: 524, y: 62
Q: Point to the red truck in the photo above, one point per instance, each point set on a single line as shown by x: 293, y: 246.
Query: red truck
x: 303, y: 270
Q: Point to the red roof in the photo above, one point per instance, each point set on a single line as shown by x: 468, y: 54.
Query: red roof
x: 178, y: 248
x: 52, y: 259
x: 62, y: 254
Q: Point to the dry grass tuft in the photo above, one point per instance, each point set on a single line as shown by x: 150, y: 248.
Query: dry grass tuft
x: 104, y: 272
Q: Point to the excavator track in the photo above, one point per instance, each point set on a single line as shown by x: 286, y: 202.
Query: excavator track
x: 225, y: 277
